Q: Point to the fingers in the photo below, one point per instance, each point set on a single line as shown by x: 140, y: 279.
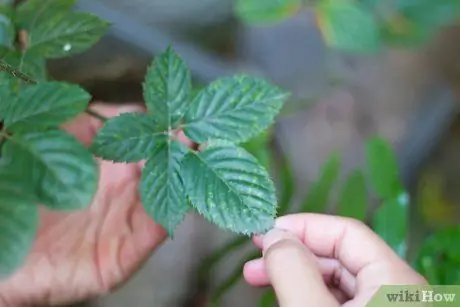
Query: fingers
x: 293, y: 272
x: 333, y: 273
x: 352, y: 243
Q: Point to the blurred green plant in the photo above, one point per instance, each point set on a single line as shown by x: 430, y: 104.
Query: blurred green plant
x: 360, y: 25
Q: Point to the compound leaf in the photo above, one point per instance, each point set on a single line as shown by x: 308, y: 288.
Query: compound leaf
x: 45, y: 105
x: 383, y: 168
x: 66, y: 33
x: 228, y: 187
x: 233, y: 108
x: 266, y: 11
x: 162, y: 191
x: 348, y: 26
x: 353, y: 198
x: 62, y: 172
x: 167, y: 88
x: 129, y: 137
x: 18, y: 221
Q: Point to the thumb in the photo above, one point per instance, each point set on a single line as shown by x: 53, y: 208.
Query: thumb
x: 294, y: 273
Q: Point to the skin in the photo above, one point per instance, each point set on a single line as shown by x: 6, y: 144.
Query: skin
x: 78, y: 255
x: 326, y: 261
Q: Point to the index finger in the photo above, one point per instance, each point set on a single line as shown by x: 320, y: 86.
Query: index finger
x: 349, y: 241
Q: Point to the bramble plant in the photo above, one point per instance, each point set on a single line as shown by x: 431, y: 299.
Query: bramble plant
x: 360, y: 25
x: 41, y: 164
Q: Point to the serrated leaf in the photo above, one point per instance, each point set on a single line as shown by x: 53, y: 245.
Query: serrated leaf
x: 18, y: 222
x: 31, y: 13
x: 65, y: 34
x: 391, y: 222
x: 27, y: 63
x: 230, y: 188
x: 348, y: 26
x: 162, y: 191
x: 233, y: 108
x: 383, y: 168
x: 266, y: 11
x: 44, y: 106
x: 259, y: 147
x: 319, y: 192
x: 62, y: 171
x: 353, y: 198
x: 167, y: 88
x: 129, y: 137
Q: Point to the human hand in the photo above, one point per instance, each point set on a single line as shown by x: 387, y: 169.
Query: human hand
x: 78, y: 255
x: 326, y: 261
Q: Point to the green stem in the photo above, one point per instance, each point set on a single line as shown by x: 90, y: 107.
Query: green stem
x: 96, y: 115
x: 231, y: 281
x: 209, y: 262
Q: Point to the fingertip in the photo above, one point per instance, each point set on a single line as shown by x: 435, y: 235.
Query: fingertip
x: 255, y: 274
x: 258, y: 241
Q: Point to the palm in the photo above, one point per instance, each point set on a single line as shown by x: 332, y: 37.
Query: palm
x: 82, y: 254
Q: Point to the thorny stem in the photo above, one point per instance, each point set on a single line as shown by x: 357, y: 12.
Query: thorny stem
x: 20, y: 75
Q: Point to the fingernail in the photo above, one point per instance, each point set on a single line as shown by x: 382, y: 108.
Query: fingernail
x: 275, y: 235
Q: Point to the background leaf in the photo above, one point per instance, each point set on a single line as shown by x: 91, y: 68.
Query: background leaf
x: 18, y: 221
x: 162, y: 191
x: 318, y: 193
x: 268, y: 299
x: 348, y: 26
x: 7, y: 30
x: 6, y: 92
x: 31, y: 13
x: 266, y: 11
x: 65, y: 34
x: 129, y: 137
x: 353, y: 198
x: 62, y: 172
x: 391, y: 222
x: 28, y: 63
x: 167, y: 88
x: 233, y: 108
x: 45, y: 105
x: 383, y: 168
x: 230, y: 188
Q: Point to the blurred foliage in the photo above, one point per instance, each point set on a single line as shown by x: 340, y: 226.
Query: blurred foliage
x: 361, y: 25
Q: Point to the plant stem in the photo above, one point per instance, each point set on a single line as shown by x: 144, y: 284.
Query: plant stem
x: 210, y: 261
x: 96, y: 115
x: 225, y: 286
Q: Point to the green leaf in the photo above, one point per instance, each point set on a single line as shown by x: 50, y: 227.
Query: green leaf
x: 439, y: 257
x: 7, y: 31
x: 31, y: 13
x: 162, y: 191
x: 44, y: 106
x: 353, y: 198
x: 63, y: 173
x: 66, y: 33
x: 259, y: 147
x: 348, y: 26
x: 129, y: 137
x: 266, y: 11
x: 167, y: 88
x: 383, y: 168
x: 391, y: 222
x: 233, y: 108
x: 268, y: 299
x: 28, y: 63
x: 18, y: 221
x: 230, y: 188
x: 6, y: 92
x: 318, y: 194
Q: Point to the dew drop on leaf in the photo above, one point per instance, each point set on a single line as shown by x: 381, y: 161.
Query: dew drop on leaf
x: 67, y: 47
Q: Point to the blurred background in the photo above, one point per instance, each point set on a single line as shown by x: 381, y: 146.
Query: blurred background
x: 339, y: 100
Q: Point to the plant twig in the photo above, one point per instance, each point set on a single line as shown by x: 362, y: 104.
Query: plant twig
x: 96, y: 115
x: 231, y: 281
